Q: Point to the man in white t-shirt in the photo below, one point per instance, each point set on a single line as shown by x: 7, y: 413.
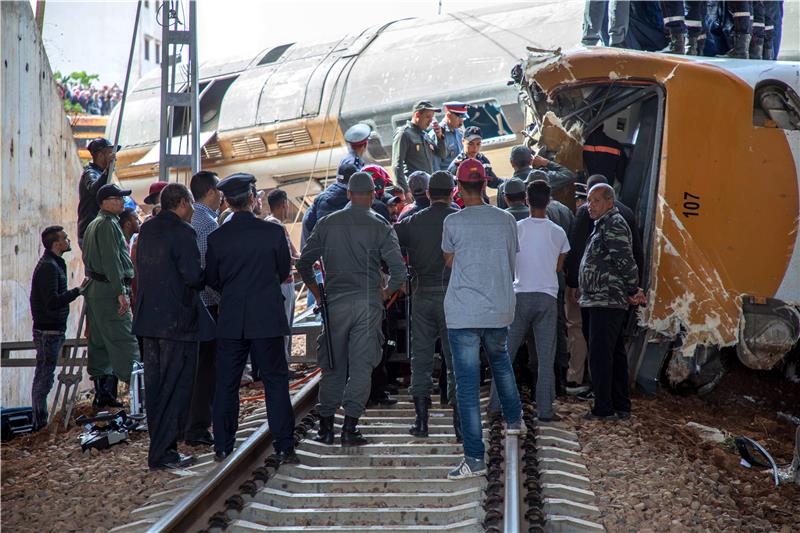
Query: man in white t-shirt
x: 543, y: 246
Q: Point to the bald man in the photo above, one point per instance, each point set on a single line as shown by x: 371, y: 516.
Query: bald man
x: 608, y: 281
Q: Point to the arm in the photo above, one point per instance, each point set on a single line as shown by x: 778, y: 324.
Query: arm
x: 310, y: 255
x: 560, y: 262
x: 93, y: 184
x: 109, y: 238
x: 283, y: 258
x: 188, y: 262
x: 559, y: 176
x: 390, y: 253
x: 618, y: 243
x: 212, y: 268
x: 48, y: 288
x: 448, y: 259
x: 310, y: 218
x: 581, y: 229
x: 448, y: 247
x: 399, y: 148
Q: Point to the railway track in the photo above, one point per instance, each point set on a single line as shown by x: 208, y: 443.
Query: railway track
x: 396, y: 483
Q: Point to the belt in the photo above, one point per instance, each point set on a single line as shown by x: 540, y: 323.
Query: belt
x: 96, y: 276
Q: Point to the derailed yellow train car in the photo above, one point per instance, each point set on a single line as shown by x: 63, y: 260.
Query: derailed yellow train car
x: 713, y: 147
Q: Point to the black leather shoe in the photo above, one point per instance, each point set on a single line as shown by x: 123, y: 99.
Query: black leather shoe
x: 183, y: 461
x: 287, y: 458
x: 351, y: 436
x: 420, y: 426
x: 221, y: 456
x: 386, y: 400
x: 325, y: 432
x: 202, y: 440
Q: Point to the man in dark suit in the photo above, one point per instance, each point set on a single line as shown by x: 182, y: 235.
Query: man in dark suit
x: 246, y: 261
x: 171, y: 319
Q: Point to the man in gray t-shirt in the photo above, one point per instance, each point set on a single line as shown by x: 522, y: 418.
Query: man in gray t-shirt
x: 480, y: 245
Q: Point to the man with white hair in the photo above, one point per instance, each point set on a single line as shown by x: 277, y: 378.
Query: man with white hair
x: 608, y: 280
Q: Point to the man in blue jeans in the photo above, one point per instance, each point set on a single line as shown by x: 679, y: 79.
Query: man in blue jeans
x: 50, y: 301
x: 480, y: 245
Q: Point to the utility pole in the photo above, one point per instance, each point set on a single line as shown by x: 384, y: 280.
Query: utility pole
x: 179, y: 98
x: 40, y: 15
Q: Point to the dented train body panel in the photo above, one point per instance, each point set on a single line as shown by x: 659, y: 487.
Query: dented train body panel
x: 721, y: 225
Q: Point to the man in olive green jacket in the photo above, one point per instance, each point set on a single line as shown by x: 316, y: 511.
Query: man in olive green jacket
x: 112, y: 346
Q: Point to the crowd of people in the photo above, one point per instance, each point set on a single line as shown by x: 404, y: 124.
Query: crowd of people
x: 93, y: 100
x: 206, y: 283
x: 738, y: 29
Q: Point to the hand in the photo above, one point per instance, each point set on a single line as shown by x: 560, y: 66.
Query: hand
x: 123, y: 304
x: 573, y: 294
x: 539, y: 161
x: 437, y: 129
x: 638, y: 299
x: 84, y: 284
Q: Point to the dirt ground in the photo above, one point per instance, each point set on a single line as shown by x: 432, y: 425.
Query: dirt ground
x: 653, y: 473
x: 49, y: 484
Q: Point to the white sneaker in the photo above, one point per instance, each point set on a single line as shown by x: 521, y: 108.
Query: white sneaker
x: 468, y: 468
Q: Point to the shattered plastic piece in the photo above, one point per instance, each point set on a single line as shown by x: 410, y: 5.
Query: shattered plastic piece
x: 707, y: 433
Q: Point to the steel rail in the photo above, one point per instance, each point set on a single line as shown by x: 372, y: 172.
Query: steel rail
x: 511, y: 514
x: 192, y: 511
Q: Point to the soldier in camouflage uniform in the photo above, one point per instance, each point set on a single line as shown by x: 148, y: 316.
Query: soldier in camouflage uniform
x: 608, y: 281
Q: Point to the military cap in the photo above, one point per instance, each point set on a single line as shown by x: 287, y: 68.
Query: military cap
x: 473, y: 132
x: 442, y: 181
x: 98, y: 145
x: 521, y: 154
x: 514, y: 186
x: 537, y: 174
x: 237, y: 184
x: 361, y: 182
x: 424, y: 105
x: 471, y: 170
x: 111, y: 190
x: 418, y: 182
x: 457, y: 108
x: 358, y: 134
x: 154, y: 193
x: 580, y: 191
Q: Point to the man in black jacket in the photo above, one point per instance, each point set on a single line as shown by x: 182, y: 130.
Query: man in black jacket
x: 171, y: 319
x: 94, y: 176
x: 246, y: 261
x: 50, y: 301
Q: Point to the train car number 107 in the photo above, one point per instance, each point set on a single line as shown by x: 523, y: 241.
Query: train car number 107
x: 691, y: 205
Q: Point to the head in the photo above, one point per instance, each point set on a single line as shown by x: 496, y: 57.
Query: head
x: 129, y: 222
x: 359, y: 148
x: 595, y: 179
x: 601, y: 200
x: 472, y: 141
x: 580, y: 194
x: 242, y: 202
x: 204, y: 189
x: 471, y: 178
x: 521, y: 157
x: 258, y: 204
x: 344, y: 172
x: 278, y: 202
x: 538, y: 194
x: 55, y: 239
x: 357, y: 137
x: 418, y: 183
x: 440, y: 187
x: 454, y: 120
x: 156, y: 210
x: 176, y: 197
x: 113, y: 204
x: 423, y: 118
x: 102, y: 152
x: 361, y: 189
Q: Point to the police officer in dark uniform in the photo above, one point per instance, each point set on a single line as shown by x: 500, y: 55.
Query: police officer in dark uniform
x: 94, y: 176
x: 333, y: 198
x: 412, y: 149
x: 351, y: 245
x: 246, y: 261
x: 357, y: 138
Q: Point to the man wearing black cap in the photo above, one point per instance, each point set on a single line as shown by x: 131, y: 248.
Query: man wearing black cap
x: 418, y: 183
x: 471, y: 149
x: 171, y: 319
x: 246, y: 260
x: 357, y: 138
x: 421, y: 236
x: 333, y: 198
x: 351, y: 244
x: 412, y: 149
x: 514, y: 193
x: 94, y: 176
x: 112, y: 347
x: 452, y: 134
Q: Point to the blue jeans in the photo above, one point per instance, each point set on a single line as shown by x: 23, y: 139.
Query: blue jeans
x: 48, y: 346
x: 465, y: 346
x: 310, y: 300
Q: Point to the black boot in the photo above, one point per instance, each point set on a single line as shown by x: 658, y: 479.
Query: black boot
x: 420, y: 427
x: 99, y: 401
x: 325, y: 433
x: 756, y: 47
x: 768, y: 49
x: 693, y: 46
x: 741, y: 46
x: 351, y: 436
x: 110, y: 385
x: 561, y: 380
x: 677, y: 41
x: 457, y: 424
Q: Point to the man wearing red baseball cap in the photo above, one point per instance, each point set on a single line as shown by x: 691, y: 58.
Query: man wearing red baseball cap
x: 154, y: 193
x: 480, y: 245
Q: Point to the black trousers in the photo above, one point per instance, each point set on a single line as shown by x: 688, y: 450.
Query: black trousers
x: 169, y: 369
x: 202, y: 402
x: 608, y: 361
x: 270, y: 355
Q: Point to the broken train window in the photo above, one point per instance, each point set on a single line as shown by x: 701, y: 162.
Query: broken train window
x: 776, y: 105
